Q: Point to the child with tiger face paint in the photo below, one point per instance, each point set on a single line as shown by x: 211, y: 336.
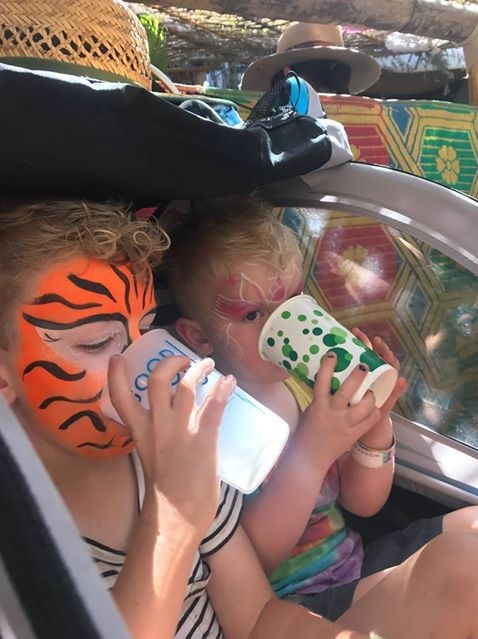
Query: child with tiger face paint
x: 85, y: 291
x: 81, y: 313
x: 76, y: 288
x: 76, y: 285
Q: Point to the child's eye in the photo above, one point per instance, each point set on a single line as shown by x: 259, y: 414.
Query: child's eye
x: 95, y: 347
x: 252, y: 316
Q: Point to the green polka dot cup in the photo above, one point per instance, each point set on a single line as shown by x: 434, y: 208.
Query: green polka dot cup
x: 299, y: 334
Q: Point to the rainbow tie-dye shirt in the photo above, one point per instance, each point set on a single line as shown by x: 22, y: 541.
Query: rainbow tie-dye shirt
x: 328, y: 553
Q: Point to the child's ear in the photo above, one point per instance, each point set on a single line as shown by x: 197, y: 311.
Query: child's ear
x: 7, y: 377
x: 193, y: 336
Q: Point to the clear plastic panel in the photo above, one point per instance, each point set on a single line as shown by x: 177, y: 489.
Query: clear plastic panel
x: 420, y: 301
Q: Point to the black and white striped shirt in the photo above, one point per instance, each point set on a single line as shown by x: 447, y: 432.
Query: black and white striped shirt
x: 197, y: 620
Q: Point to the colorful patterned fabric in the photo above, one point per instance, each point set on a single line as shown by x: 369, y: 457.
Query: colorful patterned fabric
x: 436, y: 140
x: 328, y: 553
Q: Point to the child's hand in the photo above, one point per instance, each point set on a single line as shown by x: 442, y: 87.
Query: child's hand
x: 331, y: 425
x: 176, y: 441
x: 380, y: 435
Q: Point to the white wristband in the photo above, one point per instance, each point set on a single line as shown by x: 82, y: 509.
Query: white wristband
x: 372, y: 458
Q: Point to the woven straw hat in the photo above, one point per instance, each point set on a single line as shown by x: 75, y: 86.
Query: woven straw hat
x: 303, y: 41
x: 97, y: 38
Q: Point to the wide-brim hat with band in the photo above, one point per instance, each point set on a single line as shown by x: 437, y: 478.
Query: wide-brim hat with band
x: 102, y: 39
x: 303, y: 41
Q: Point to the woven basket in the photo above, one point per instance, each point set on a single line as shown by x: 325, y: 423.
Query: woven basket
x: 99, y: 35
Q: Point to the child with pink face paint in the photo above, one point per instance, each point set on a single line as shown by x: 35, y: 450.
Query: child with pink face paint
x: 76, y: 288
x: 230, y: 265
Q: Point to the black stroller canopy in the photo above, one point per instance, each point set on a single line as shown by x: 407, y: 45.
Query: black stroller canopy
x: 70, y: 136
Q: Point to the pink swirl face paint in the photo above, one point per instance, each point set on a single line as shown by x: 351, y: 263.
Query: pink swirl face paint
x: 243, y: 301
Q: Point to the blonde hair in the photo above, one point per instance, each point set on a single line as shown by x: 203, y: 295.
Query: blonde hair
x: 37, y: 234
x: 218, y: 235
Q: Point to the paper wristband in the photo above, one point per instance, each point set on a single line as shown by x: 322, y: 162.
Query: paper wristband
x: 372, y: 458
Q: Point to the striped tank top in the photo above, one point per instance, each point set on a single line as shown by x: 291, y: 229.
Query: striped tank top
x: 197, y: 620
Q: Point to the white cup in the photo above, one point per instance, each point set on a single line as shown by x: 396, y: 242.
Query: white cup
x: 251, y: 437
x: 299, y: 333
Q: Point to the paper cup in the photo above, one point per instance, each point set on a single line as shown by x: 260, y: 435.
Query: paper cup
x: 298, y: 335
x: 251, y: 437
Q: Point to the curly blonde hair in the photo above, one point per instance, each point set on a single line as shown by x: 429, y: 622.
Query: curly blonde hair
x: 217, y: 236
x: 37, y: 234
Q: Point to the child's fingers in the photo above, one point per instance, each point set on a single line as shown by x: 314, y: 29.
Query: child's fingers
x: 385, y: 352
x: 127, y: 407
x: 367, y: 415
x: 399, y: 389
x: 379, y: 346
x: 363, y: 337
x: 364, y: 409
x: 346, y: 391
x: 184, y: 399
x: 211, y: 409
x: 323, y: 379
x: 160, y: 384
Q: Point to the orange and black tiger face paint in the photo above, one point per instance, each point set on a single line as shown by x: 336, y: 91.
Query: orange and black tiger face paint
x: 82, y: 312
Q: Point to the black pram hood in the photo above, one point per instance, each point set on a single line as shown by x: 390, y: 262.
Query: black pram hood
x: 68, y: 136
